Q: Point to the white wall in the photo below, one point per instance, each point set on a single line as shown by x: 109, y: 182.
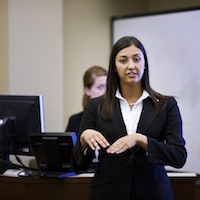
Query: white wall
x: 4, y: 82
x: 36, y: 54
x: 43, y: 34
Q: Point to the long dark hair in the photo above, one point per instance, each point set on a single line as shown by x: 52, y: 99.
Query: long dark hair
x: 113, y: 82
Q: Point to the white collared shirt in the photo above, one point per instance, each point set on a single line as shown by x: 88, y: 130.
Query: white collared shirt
x: 131, y: 116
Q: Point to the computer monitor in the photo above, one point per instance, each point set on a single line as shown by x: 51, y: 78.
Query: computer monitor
x: 53, y: 152
x: 20, y: 115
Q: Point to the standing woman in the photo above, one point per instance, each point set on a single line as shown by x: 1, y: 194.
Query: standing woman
x: 136, y: 130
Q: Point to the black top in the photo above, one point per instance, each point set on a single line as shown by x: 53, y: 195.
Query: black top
x: 134, y: 174
x: 74, y: 123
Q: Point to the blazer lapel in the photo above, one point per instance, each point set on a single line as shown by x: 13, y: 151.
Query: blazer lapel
x: 117, y: 121
x: 147, y: 116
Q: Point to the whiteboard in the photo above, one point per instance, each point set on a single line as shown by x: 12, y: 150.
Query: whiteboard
x: 172, y: 42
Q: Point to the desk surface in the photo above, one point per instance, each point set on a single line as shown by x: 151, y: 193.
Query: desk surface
x: 77, y: 187
x: 14, y: 173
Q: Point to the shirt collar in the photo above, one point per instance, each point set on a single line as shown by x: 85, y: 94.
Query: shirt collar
x: 145, y: 94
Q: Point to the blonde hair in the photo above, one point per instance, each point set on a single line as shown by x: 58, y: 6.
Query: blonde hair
x: 89, y: 79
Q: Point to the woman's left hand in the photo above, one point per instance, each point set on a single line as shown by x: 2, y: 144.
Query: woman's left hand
x: 127, y: 142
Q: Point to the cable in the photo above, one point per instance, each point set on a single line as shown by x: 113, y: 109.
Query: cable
x: 19, y: 160
x: 18, y: 166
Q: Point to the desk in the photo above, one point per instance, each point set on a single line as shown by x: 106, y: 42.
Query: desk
x: 77, y: 188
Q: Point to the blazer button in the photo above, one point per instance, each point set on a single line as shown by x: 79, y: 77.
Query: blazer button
x: 132, y: 156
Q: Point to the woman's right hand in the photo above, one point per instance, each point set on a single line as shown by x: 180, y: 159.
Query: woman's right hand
x: 93, y: 139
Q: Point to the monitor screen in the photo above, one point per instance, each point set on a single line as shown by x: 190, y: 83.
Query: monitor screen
x: 19, y: 117
x: 53, y: 150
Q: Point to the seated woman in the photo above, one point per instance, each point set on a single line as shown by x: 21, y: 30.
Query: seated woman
x: 94, y: 82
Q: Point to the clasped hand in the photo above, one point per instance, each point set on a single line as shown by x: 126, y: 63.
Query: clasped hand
x: 95, y: 140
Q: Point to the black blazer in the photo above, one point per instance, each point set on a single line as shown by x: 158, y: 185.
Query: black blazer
x: 134, y: 174
x: 74, y: 122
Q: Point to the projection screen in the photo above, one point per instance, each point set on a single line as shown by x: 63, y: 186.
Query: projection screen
x: 172, y: 41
